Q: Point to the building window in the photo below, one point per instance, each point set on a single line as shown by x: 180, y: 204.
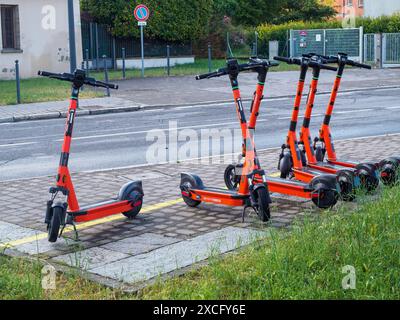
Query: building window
x: 349, y: 3
x: 10, y: 28
x: 360, y: 3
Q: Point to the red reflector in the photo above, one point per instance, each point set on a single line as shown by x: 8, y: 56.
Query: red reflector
x: 137, y: 203
x: 184, y: 193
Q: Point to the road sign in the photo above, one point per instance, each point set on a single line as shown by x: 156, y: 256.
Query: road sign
x: 142, y: 13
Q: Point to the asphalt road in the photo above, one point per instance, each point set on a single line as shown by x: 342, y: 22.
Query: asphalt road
x: 31, y: 149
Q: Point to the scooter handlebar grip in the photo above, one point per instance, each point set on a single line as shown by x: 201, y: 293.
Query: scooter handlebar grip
x: 211, y: 75
x: 359, y: 65
x: 48, y: 74
x: 283, y: 59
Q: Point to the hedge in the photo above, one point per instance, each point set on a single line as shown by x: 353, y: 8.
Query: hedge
x: 384, y: 24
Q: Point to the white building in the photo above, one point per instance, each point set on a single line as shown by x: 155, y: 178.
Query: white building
x: 35, y: 32
x: 376, y: 8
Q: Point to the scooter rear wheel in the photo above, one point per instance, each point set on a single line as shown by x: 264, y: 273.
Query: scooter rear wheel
x: 369, y: 180
x: 55, y: 223
x: 264, y: 212
x: 135, y: 196
x: 389, y: 172
x: 346, y: 186
x: 187, y: 183
x: 231, y: 179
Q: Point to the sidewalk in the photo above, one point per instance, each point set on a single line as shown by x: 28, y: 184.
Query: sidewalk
x: 137, y: 94
x: 168, y: 238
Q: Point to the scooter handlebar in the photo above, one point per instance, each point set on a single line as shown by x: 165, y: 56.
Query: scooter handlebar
x: 324, y: 66
x: 358, y: 65
x: 210, y: 75
x: 73, y: 77
x: 288, y: 60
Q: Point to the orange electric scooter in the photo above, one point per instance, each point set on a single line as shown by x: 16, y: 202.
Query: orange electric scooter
x: 60, y: 214
x: 364, y: 174
x: 324, y: 146
x: 322, y: 190
x: 292, y: 160
x: 250, y: 194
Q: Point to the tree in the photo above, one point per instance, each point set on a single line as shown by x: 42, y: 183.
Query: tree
x: 173, y: 20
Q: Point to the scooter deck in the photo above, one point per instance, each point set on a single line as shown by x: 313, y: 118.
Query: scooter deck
x: 289, y: 187
x: 230, y: 193
x: 329, y: 167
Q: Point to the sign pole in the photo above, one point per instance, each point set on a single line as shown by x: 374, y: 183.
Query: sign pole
x: 142, y: 14
x: 142, y: 47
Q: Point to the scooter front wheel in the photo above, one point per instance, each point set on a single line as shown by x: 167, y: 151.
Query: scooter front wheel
x: 264, y: 212
x: 56, y: 221
x: 231, y: 179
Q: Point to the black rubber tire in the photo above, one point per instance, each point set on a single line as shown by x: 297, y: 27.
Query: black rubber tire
x: 264, y: 212
x: 189, y: 201
x: 327, y: 198
x: 55, y: 224
x: 389, y: 172
x: 346, y: 183
x: 319, y: 154
x: 135, y: 195
x: 303, y: 158
x: 285, y: 165
x: 369, y: 182
x: 230, y: 178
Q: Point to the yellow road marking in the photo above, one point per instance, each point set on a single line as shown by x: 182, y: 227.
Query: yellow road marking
x: 85, y: 225
x: 275, y: 175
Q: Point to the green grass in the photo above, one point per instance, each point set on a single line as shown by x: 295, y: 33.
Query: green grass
x: 39, y: 90
x: 42, y: 90
x: 200, y: 66
x: 305, y: 263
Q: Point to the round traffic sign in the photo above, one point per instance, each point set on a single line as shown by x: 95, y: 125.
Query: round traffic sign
x: 142, y: 13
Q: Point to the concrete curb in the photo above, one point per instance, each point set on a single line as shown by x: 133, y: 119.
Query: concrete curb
x: 83, y: 112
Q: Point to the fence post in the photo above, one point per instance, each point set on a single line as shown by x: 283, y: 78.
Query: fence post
x: 378, y: 50
x: 87, y: 61
x: 168, y: 60
x: 291, y: 41
x: 17, y: 79
x: 361, y: 44
x: 325, y: 41
x: 209, y: 58
x: 97, y: 45
x: 106, y: 73
x: 114, y: 53
x: 123, y: 63
x: 256, y: 44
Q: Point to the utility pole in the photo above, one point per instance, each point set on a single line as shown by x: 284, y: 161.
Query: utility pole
x: 71, y: 26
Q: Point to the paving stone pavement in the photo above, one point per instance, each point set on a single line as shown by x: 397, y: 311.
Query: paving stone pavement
x: 165, y: 239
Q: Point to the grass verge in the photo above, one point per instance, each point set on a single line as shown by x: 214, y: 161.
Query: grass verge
x: 305, y: 263
x: 42, y: 90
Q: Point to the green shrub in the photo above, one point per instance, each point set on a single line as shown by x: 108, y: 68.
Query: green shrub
x: 268, y: 32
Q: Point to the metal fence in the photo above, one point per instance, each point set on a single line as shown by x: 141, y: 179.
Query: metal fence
x: 327, y: 42
x: 391, y: 49
x: 98, y: 41
x: 382, y: 49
